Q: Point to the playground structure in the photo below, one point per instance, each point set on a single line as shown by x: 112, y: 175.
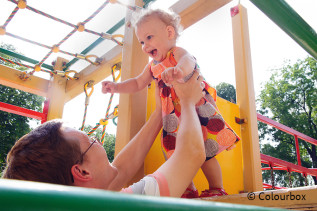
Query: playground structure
x: 244, y: 175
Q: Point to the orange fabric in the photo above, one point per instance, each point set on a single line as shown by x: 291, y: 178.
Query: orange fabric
x: 213, y: 125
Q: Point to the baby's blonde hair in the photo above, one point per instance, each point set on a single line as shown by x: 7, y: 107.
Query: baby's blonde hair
x: 169, y: 17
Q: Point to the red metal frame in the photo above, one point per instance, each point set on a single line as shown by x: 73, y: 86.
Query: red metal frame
x: 268, y: 186
x: 278, y: 164
x: 26, y: 112
x: 45, y: 110
x: 286, y: 129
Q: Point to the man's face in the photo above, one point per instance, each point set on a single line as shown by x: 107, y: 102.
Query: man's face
x: 95, y: 160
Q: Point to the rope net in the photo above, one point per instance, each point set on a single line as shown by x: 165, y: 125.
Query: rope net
x: 80, y: 27
x: 113, y: 115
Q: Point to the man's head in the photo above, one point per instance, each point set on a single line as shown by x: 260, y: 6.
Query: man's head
x: 43, y: 155
x: 56, y: 154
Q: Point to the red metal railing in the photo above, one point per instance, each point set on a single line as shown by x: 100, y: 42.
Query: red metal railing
x: 26, y: 112
x: 277, y: 164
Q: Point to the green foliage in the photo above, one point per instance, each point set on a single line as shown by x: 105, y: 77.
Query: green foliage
x: 226, y: 91
x: 290, y: 98
x: 109, y: 142
x: 13, y: 49
x: 13, y: 126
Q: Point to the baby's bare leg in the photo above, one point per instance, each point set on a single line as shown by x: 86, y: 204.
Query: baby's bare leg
x: 212, y: 171
x: 192, y: 186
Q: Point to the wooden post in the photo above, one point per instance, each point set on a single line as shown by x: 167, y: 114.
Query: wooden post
x: 132, y: 107
x: 56, y: 93
x: 246, y: 101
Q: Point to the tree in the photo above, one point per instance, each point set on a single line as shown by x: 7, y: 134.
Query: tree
x: 13, y: 126
x: 226, y: 91
x: 109, y: 143
x: 290, y: 98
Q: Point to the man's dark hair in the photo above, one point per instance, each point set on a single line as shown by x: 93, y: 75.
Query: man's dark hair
x: 43, y: 155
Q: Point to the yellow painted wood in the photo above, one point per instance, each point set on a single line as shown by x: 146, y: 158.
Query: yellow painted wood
x: 132, y: 107
x: 246, y: 102
x: 56, y: 93
x: 193, y: 11
x: 134, y: 61
x: 154, y: 158
x: 35, y: 85
x: 302, y: 198
x: 230, y: 161
x: 96, y: 73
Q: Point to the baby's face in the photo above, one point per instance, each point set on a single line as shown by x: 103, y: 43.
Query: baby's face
x: 155, y: 37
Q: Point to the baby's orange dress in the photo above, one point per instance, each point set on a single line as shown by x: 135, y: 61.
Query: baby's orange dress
x: 217, y: 134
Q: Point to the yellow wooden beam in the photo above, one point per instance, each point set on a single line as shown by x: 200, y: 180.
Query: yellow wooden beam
x: 96, y: 73
x: 132, y: 107
x: 194, y: 10
x: 56, y: 93
x: 301, y: 198
x: 35, y: 85
x: 246, y: 102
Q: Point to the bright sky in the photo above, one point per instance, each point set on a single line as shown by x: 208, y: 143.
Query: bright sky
x: 210, y: 41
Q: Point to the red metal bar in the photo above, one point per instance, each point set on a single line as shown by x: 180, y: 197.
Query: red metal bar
x: 286, y: 129
x: 21, y: 111
x: 274, y: 168
x: 45, y: 111
x: 297, y: 151
x: 278, y: 164
x: 291, y: 166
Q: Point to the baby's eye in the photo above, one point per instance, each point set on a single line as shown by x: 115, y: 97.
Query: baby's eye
x: 149, y: 37
x: 142, y: 43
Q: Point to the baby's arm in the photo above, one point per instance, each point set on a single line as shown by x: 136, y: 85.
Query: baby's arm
x: 185, y: 65
x: 185, y: 62
x: 129, y: 86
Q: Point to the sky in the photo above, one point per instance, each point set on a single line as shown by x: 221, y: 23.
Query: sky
x: 209, y: 40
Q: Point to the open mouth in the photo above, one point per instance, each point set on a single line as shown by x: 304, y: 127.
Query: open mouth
x: 153, y: 52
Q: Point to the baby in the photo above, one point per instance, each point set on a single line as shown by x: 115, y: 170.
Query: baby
x: 157, y: 32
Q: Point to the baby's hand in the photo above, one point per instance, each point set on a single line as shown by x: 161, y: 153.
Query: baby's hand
x: 108, y: 87
x: 171, y: 74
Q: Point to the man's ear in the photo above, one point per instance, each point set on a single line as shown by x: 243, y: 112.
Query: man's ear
x: 170, y: 32
x: 80, y: 174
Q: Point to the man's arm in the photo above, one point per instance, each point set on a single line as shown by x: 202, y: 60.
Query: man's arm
x: 132, y: 156
x: 189, y: 153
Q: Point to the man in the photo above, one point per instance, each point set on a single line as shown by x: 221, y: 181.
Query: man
x: 57, y: 154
